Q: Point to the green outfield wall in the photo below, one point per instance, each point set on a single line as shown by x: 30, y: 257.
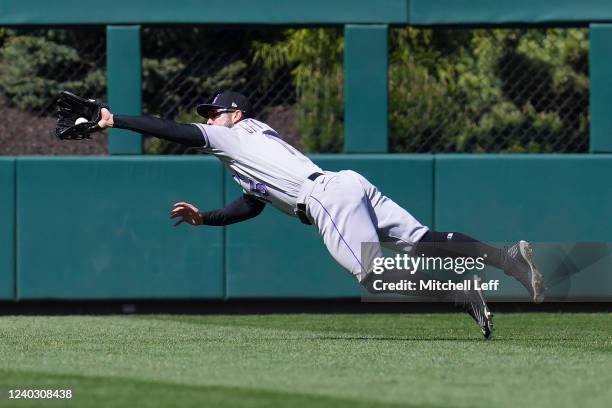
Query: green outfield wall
x: 434, y: 12
x: 553, y: 198
x: 98, y: 228
x: 560, y: 202
x: 203, y: 12
x: 421, y: 12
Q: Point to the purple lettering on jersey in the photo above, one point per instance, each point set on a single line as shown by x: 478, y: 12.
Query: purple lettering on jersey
x: 252, y: 186
x: 261, y: 188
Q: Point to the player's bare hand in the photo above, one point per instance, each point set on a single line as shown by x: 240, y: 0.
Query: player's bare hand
x: 187, y: 212
x: 107, y: 119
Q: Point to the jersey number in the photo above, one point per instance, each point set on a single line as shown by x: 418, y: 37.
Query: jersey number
x: 253, y: 187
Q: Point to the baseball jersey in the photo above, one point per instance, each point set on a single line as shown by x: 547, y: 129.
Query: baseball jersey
x: 265, y: 166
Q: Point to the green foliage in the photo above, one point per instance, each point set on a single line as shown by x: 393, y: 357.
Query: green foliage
x: 156, y: 73
x: 450, y: 90
x: 164, y: 92
x: 165, y: 83
x: 315, y: 59
x: 488, y: 90
x: 3, y: 35
x: 453, y: 90
x: 33, y: 70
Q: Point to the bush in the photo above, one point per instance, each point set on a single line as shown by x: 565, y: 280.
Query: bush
x: 314, y: 57
x: 450, y: 90
x: 488, y: 90
x: 166, y: 84
x: 33, y: 70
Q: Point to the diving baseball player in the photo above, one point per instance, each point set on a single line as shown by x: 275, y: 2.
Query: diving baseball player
x: 344, y: 206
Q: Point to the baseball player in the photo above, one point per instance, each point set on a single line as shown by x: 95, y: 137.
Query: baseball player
x: 344, y: 206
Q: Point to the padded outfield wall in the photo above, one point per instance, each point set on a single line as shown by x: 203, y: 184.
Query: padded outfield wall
x: 98, y: 228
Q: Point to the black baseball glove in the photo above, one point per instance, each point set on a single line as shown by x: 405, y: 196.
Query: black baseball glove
x: 70, y: 110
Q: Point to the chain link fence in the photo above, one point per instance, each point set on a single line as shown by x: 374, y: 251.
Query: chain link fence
x: 489, y: 90
x: 184, y: 66
x: 35, y: 65
x: 450, y: 90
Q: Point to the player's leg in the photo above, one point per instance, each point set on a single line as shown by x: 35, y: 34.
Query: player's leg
x: 339, y: 210
x: 397, y: 228
x: 400, y: 231
x: 342, y: 212
x: 517, y: 261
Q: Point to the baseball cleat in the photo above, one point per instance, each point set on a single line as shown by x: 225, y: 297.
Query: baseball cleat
x: 473, y: 303
x: 523, y: 269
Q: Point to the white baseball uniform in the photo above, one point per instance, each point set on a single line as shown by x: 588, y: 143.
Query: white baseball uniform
x: 346, y: 208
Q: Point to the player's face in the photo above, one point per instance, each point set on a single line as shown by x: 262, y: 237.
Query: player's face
x: 221, y: 117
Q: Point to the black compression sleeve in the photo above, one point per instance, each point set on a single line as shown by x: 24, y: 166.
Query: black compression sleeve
x: 183, y: 133
x: 456, y: 244
x: 242, y: 209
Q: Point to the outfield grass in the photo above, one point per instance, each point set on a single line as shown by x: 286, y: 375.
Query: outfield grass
x: 536, y: 360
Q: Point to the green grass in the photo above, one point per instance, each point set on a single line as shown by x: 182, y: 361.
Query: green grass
x: 536, y: 360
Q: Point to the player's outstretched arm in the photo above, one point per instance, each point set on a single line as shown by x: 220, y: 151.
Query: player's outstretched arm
x: 182, y: 133
x: 242, y: 209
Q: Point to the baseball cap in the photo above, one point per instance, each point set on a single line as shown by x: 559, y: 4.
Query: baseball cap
x: 226, y: 100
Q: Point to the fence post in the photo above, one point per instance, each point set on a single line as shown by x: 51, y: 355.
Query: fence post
x: 8, y: 232
x: 366, y: 88
x: 600, y: 92
x: 124, y: 75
